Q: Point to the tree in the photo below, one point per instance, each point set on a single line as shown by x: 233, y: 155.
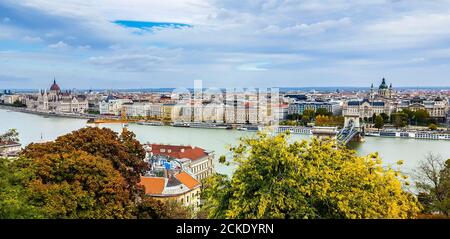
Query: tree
x: 433, y: 183
x: 151, y: 208
x: 329, y: 121
x: 372, y: 119
x: 421, y: 116
x: 432, y: 127
x: 411, y: 115
x: 323, y: 112
x: 385, y: 117
x: 89, y: 173
x: 125, y: 152
x: 294, y: 116
x: 399, y: 120
x: 10, y: 136
x: 379, y: 122
x: 319, y: 179
x: 76, y: 185
x: 308, y: 116
x: 13, y: 196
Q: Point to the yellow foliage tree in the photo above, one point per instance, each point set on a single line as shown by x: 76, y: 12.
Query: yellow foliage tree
x: 319, y: 179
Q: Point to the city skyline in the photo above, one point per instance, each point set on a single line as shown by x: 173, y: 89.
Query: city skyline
x: 152, y: 44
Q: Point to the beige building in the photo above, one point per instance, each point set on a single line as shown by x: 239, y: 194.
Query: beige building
x: 10, y: 148
x: 180, y: 187
x: 58, y: 101
x: 365, y: 108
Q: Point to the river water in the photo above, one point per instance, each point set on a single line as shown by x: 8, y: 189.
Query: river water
x: 35, y: 128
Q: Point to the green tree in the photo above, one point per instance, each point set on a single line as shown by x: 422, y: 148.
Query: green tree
x: 308, y: 116
x: 13, y: 195
x: 411, y: 116
x: 433, y: 183
x: 319, y: 179
x: 421, y: 116
x: 323, y: 112
x: 385, y: 117
x: 399, y: 120
x: 379, y: 122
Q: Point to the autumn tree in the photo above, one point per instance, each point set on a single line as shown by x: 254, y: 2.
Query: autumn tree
x: 433, y: 183
x: 76, y: 185
x: 89, y: 173
x: 125, y: 152
x: 322, y: 120
x: 319, y: 179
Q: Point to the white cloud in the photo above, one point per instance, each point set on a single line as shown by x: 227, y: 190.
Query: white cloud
x: 260, y: 66
x: 59, y: 46
x: 308, y: 29
x: 30, y: 39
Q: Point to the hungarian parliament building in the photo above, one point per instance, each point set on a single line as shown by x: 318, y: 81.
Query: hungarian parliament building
x: 57, y: 101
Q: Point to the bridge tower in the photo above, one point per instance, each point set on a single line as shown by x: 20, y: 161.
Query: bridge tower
x: 352, y: 130
x: 352, y: 119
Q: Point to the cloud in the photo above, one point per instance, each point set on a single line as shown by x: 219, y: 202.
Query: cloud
x: 30, y: 39
x: 237, y: 42
x: 253, y: 67
x: 13, y: 79
x: 136, y: 62
x: 59, y: 46
x: 307, y: 29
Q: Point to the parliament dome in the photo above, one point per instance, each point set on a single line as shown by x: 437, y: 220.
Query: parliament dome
x: 54, y: 87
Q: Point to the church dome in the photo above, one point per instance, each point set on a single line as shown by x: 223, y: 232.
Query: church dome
x: 55, y: 87
x: 383, y: 85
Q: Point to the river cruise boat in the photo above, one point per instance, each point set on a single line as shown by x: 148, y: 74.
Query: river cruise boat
x: 201, y: 125
x: 151, y: 123
x: 410, y: 134
x: 294, y: 129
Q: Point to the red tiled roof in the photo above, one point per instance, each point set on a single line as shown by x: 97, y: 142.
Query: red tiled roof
x: 153, y: 185
x: 187, y: 180
x: 178, y: 152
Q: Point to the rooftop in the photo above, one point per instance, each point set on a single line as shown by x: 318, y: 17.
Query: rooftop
x: 178, y: 151
x: 174, y: 185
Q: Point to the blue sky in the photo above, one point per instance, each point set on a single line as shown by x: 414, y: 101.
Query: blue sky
x: 225, y: 43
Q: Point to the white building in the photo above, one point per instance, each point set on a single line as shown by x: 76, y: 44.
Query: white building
x: 112, y: 105
x: 57, y: 101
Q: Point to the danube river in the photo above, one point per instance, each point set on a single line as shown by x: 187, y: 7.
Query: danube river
x: 35, y: 128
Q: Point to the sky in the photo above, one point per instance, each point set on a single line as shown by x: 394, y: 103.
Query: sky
x: 224, y: 43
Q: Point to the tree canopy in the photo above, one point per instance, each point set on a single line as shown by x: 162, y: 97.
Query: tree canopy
x: 433, y: 183
x: 89, y: 173
x: 319, y: 179
x: 379, y: 122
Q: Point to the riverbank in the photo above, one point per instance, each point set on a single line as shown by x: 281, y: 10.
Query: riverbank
x: 50, y: 113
